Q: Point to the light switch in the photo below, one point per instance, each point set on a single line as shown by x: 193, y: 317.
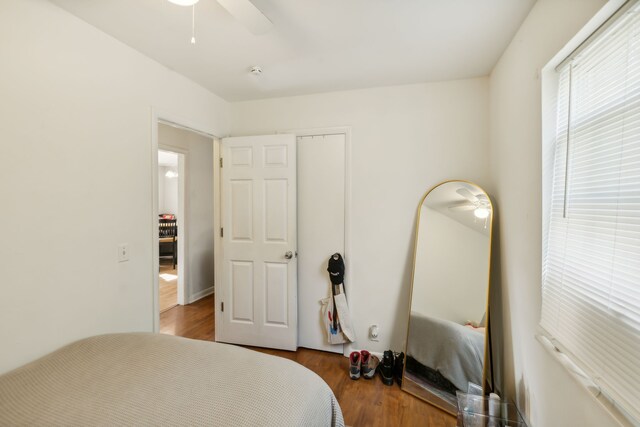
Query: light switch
x: 123, y: 252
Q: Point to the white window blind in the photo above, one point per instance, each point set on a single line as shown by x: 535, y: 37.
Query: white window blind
x: 591, y: 264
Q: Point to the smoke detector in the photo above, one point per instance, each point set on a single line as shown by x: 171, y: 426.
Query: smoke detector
x: 256, y: 71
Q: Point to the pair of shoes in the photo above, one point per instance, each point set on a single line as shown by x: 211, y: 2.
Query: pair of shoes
x: 362, y: 362
x: 392, y: 367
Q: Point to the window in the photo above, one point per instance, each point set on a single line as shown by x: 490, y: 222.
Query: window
x: 591, y: 260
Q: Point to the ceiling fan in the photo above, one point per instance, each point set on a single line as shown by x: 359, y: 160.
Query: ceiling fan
x: 478, y: 204
x: 242, y: 10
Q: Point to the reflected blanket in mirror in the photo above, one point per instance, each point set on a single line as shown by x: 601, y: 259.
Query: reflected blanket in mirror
x: 457, y: 352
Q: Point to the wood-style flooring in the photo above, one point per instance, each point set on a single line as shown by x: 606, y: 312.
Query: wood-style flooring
x: 194, y: 321
x: 168, y: 282
x: 363, y: 402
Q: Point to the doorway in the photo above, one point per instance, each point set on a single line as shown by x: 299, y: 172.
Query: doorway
x: 183, y: 209
x: 171, y: 214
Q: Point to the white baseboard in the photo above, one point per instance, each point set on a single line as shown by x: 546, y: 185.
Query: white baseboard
x: 199, y: 295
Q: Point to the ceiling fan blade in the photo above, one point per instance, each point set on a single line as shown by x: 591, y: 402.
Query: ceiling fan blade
x: 463, y: 207
x: 249, y: 15
x: 467, y: 195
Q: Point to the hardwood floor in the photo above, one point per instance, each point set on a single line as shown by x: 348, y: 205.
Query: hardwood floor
x: 191, y: 321
x: 363, y: 402
x: 168, y: 283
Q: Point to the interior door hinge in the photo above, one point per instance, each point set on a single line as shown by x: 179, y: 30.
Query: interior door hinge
x: 221, y: 162
x: 222, y: 306
x: 221, y: 232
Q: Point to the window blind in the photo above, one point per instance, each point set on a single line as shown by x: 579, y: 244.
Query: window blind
x: 591, y: 265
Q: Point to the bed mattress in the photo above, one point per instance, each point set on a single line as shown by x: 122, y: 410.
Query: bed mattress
x: 151, y: 379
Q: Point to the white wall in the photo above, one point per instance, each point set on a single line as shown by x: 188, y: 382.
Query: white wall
x: 171, y: 192
x: 405, y: 140
x: 542, y: 387
x: 167, y: 190
x: 75, y: 120
x: 161, y: 184
x: 452, y: 269
x: 198, y: 205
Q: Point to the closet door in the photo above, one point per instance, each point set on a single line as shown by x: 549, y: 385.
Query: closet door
x: 321, y: 229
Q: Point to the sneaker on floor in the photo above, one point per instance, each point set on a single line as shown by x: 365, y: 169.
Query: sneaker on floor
x: 398, y: 367
x: 354, y: 365
x: 386, y: 368
x: 369, y: 363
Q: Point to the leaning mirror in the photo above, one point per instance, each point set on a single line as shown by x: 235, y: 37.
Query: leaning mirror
x: 447, y: 334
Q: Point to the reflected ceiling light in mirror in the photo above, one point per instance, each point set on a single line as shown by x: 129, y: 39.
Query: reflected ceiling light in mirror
x: 481, y: 212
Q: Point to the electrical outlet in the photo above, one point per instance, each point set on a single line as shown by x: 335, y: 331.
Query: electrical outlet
x: 123, y: 252
x: 374, y: 333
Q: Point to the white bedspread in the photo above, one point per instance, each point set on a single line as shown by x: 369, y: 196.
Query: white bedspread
x: 152, y: 379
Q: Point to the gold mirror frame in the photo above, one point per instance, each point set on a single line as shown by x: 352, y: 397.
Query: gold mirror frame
x: 416, y: 390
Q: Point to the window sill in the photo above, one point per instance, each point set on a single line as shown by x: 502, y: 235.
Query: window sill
x: 619, y: 414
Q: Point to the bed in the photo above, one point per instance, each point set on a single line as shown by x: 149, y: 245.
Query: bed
x: 153, y: 379
x: 445, y: 348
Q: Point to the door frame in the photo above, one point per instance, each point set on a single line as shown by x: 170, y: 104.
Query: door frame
x: 346, y: 131
x: 160, y: 116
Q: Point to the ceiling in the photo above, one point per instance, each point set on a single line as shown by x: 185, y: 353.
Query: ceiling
x: 314, y: 45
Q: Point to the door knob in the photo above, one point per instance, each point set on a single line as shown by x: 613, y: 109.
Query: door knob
x: 288, y: 255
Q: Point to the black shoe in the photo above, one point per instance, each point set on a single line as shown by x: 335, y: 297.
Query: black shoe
x: 386, y: 368
x: 398, y: 367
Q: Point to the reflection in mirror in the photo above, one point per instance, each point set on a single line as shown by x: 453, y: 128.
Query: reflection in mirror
x: 445, y: 349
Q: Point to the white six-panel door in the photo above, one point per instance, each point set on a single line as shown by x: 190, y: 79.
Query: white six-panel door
x: 258, y: 299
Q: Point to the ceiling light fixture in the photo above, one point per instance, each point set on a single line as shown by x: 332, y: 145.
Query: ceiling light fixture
x: 184, y: 2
